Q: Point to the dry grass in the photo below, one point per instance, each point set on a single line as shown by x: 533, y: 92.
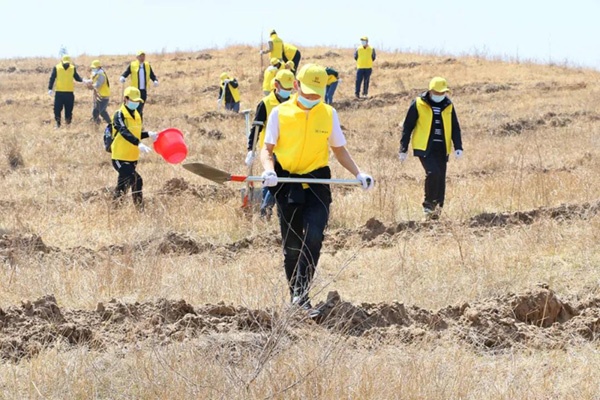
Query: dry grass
x: 518, y: 157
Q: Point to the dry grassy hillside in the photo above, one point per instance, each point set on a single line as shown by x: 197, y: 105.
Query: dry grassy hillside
x: 499, y: 299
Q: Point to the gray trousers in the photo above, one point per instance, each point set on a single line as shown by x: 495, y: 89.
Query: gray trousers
x: 99, y: 110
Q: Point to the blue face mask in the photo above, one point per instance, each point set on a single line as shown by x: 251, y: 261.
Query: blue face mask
x: 132, y: 105
x: 284, y: 94
x: 308, y: 103
x: 437, y: 98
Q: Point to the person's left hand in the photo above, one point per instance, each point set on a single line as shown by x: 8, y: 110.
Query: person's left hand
x: 458, y: 154
x: 366, y: 180
x: 153, y: 135
x: 155, y: 83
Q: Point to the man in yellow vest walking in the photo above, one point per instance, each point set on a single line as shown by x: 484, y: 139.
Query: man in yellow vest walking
x: 101, y: 87
x: 432, y: 123
x: 141, y: 75
x: 284, y: 84
x: 299, y: 134
x: 229, y: 93
x: 64, y: 74
x: 364, y: 56
x: 127, y: 145
x: 269, y: 75
x: 291, y: 53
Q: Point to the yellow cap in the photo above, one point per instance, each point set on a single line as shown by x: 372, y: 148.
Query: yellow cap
x: 224, y: 76
x: 140, y: 52
x: 96, y: 64
x: 133, y: 94
x: 285, y: 77
x: 275, y: 61
x: 290, y: 64
x: 66, y: 59
x: 364, y: 38
x: 438, y: 84
x: 313, y: 79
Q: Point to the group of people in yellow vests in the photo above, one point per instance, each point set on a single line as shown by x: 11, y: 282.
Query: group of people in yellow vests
x: 293, y: 132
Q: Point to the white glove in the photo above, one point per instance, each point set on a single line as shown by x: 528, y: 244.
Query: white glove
x: 122, y: 79
x: 340, y: 80
x: 144, y: 149
x: 366, y: 181
x: 402, y: 156
x: 249, y: 158
x: 155, y: 83
x: 226, y: 81
x: 87, y: 81
x: 261, y: 52
x: 458, y: 154
x: 269, y: 178
x: 50, y: 92
x: 153, y: 136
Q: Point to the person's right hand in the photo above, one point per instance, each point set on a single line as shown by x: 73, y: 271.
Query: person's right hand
x: 50, y: 92
x: 269, y: 178
x: 249, y: 158
x: 402, y: 156
x: 122, y: 79
x: 144, y: 149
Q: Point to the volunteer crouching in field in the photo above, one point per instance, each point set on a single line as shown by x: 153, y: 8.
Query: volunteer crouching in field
x: 64, y: 74
x: 229, y: 93
x: 284, y: 84
x: 300, y: 133
x: 431, y: 121
x: 127, y: 145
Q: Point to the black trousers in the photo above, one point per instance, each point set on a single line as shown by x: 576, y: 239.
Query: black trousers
x: 64, y: 100
x: 435, y: 178
x: 302, y: 232
x: 128, y: 178
x: 144, y: 96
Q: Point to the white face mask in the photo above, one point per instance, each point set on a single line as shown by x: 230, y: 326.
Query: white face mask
x: 95, y: 71
x: 437, y: 98
x: 363, y: 42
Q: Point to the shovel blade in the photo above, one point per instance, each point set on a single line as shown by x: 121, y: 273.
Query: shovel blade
x: 208, y: 172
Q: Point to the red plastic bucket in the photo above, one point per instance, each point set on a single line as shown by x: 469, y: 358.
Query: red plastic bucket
x: 170, y: 146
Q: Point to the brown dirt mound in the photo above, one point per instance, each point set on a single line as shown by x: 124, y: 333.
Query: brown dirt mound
x: 377, y: 101
x: 27, y: 243
x: 529, y: 124
x: 537, y: 318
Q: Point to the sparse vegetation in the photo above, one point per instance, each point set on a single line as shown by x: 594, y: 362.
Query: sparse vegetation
x: 500, y: 299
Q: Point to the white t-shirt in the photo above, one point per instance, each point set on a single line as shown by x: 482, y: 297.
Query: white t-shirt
x: 336, y: 139
x: 142, y: 77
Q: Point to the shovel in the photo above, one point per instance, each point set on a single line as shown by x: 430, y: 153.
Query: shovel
x: 219, y: 176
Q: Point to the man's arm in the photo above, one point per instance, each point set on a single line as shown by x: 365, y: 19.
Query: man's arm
x: 99, y: 81
x: 76, y: 75
x: 258, y: 124
x: 456, y: 133
x: 345, y: 159
x: 52, y: 79
x: 374, y: 56
x: 409, y: 125
x: 127, y: 72
x: 152, y: 76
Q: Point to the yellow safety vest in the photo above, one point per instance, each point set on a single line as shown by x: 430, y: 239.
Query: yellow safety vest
x: 104, y: 90
x: 121, y: 149
x: 64, y: 78
x: 365, y: 57
x: 289, y: 50
x: 270, y: 101
x: 235, y: 92
x: 303, y: 143
x: 277, y: 51
x: 420, y: 135
x: 270, y: 73
x: 134, y: 67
